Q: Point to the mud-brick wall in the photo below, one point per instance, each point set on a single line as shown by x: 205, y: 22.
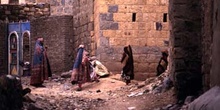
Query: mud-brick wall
x: 61, y: 7
x: 23, y: 12
x: 207, y: 41
x: 58, y: 7
x: 3, y: 48
x: 186, y: 25
x: 58, y: 37
x: 83, y: 23
x: 143, y: 24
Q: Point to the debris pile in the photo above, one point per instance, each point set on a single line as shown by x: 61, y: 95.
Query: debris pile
x: 11, y: 93
x: 40, y: 102
x: 153, y: 85
x: 60, y: 94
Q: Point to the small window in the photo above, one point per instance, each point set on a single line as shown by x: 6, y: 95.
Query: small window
x: 165, y: 17
x: 133, y: 17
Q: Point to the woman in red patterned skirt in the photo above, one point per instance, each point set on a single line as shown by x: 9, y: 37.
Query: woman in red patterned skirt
x: 39, y: 71
x: 81, y: 68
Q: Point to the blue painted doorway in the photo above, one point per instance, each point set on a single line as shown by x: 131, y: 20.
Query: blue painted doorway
x: 19, y: 47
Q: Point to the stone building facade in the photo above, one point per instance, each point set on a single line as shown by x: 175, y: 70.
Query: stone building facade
x: 106, y: 26
x: 143, y: 24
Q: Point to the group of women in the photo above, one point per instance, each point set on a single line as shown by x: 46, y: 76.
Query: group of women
x: 81, y: 67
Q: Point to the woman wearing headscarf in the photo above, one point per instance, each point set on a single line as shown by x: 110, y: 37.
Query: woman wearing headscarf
x: 39, y: 71
x: 163, y: 63
x: 81, y: 68
x: 128, y: 66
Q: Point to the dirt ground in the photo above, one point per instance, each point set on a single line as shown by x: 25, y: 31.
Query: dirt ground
x: 109, y: 94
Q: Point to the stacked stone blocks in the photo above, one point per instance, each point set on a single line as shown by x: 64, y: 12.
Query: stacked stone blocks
x: 58, y: 7
x: 83, y: 23
x: 186, y: 45
x: 116, y: 28
x: 15, y: 13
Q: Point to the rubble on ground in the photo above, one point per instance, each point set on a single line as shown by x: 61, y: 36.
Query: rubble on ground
x: 60, y: 94
x: 62, y: 99
x: 63, y: 103
x: 66, y: 74
x: 153, y: 85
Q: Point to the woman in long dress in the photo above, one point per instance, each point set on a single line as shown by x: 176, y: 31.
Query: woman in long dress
x: 128, y: 66
x: 81, y: 68
x: 39, y: 71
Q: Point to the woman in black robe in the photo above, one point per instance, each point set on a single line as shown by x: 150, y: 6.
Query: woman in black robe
x: 128, y: 66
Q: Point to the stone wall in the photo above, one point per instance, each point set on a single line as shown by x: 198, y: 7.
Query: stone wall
x: 58, y: 37
x: 215, y: 70
x: 3, y: 48
x: 83, y: 23
x: 143, y: 24
x: 58, y: 7
x: 15, y: 13
x: 185, y: 17
x: 207, y: 42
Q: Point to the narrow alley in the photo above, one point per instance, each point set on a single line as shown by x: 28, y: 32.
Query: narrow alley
x: 158, y: 54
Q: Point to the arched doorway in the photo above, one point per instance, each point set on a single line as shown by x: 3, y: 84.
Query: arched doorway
x: 13, y: 53
x: 19, y: 35
x: 26, y: 52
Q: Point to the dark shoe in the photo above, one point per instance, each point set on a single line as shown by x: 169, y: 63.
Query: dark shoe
x: 25, y: 91
x: 79, y: 89
x: 73, y: 82
x: 97, y: 80
x: 128, y: 81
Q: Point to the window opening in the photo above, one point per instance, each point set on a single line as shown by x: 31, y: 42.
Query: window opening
x: 165, y: 17
x: 133, y: 17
